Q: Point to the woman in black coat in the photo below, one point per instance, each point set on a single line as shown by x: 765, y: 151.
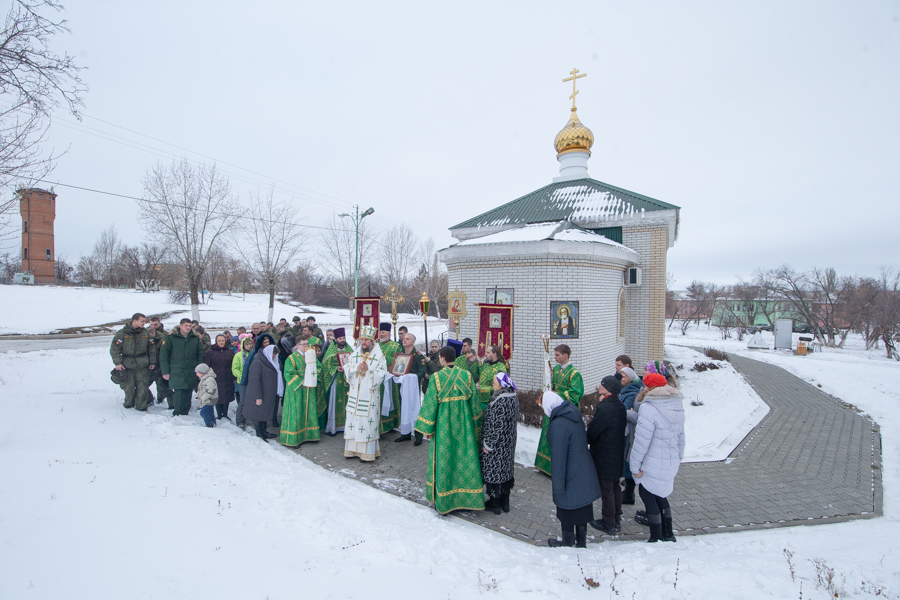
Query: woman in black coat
x: 498, y: 443
x: 606, y: 435
x: 219, y: 358
x: 264, y: 386
x: 574, y: 478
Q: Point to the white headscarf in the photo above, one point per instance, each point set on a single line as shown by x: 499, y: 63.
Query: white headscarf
x: 550, y: 401
x: 269, y: 352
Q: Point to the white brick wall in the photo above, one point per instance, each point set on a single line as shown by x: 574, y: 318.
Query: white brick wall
x: 595, y: 284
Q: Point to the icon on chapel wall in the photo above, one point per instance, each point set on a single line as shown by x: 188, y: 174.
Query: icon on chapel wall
x: 564, y: 319
x: 499, y: 296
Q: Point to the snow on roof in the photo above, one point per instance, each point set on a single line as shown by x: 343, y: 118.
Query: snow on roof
x: 562, y: 231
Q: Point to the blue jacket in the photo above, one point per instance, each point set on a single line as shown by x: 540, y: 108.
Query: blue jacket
x: 629, y: 393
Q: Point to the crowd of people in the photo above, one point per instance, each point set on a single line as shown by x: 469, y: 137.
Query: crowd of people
x: 305, y: 383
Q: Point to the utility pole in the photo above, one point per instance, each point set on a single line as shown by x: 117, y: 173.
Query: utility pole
x: 357, y: 219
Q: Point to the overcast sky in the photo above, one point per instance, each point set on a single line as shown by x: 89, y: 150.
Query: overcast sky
x: 774, y: 125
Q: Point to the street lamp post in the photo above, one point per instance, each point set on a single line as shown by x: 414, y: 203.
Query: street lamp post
x: 357, y: 219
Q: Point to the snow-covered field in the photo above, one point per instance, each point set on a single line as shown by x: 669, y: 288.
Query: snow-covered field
x: 46, y: 309
x: 101, y: 502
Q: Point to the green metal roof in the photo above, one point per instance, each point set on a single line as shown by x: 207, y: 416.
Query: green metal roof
x: 579, y: 200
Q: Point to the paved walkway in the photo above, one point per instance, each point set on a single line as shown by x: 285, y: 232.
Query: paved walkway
x: 813, y: 459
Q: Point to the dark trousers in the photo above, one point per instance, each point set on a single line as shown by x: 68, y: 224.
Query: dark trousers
x: 657, y: 507
x: 261, y: 427
x: 182, y: 401
x: 221, y: 410
x: 611, y: 502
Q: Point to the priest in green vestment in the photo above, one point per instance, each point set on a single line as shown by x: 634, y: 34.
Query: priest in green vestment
x: 299, y: 418
x: 468, y: 360
x: 390, y: 349
x: 567, y: 383
x: 447, y: 419
x: 334, y: 379
x: 493, y: 364
x: 321, y: 388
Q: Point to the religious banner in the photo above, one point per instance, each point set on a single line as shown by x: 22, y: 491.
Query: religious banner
x: 456, y: 308
x: 495, y: 325
x: 367, y: 313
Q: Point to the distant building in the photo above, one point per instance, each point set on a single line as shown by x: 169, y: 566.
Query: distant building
x: 38, y: 210
x: 576, y: 251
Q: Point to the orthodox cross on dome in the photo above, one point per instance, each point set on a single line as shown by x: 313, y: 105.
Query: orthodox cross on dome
x: 574, y: 75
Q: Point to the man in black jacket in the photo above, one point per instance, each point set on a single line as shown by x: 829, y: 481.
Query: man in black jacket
x: 606, y: 437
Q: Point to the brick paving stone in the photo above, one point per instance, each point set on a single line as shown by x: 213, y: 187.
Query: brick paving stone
x: 811, y: 456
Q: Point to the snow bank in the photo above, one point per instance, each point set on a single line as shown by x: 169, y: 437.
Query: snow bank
x: 730, y: 409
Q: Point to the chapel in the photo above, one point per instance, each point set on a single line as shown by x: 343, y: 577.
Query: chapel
x: 582, y: 261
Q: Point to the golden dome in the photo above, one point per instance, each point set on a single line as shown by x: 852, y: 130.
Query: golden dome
x: 574, y: 136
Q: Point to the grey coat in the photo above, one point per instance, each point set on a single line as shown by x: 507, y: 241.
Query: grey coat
x: 574, y: 478
x: 659, y: 440
x: 262, y: 382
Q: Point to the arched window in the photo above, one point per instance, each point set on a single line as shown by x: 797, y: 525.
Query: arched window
x: 621, y: 331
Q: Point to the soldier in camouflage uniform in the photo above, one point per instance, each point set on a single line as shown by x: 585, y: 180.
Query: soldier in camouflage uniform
x: 315, y: 329
x: 157, y: 336
x: 134, y: 356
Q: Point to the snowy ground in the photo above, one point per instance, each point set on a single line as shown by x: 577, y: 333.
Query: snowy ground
x: 59, y: 308
x: 101, y: 502
x: 730, y: 410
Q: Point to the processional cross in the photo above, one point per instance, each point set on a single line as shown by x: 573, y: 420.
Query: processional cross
x: 394, y: 298
x: 574, y: 75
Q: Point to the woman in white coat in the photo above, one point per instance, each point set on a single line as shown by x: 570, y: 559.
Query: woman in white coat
x: 657, y: 451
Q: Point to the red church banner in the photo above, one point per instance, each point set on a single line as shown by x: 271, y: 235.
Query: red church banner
x: 495, y: 323
x: 367, y: 313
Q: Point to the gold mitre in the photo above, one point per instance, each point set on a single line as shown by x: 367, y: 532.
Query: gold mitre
x: 367, y: 332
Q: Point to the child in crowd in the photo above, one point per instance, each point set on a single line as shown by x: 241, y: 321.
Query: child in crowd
x: 207, y: 393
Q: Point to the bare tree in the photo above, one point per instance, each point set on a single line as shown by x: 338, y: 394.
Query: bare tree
x: 304, y: 284
x: 87, y: 271
x: 398, y: 254
x: 189, y: 210
x: 270, y: 241
x: 107, y: 251
x: 144, y: 265
x: 885, y: 311
x: 33, y: 82
x: 215, y: 274
x: 235, y: 275
x: 337, y: 255
x: 62, y: 268
x: 436, y: 282
x: 10, y: 264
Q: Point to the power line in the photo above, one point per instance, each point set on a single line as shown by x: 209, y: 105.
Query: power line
x: 372, y: 238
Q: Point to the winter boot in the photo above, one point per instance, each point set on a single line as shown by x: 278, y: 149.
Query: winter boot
x: 640, y: 517
x: 655, y: 528
x: 418, y: 441
x: 628, y: 492
x: 581, y: 536
x: 504, y: 502
x: 404, y: 438
x: 667, y: 534
x: 599, y: 526
x: 568, y: 540
x: 493, y: 505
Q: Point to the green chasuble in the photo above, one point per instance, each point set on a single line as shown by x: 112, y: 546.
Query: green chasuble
x: 566, y: 382
x: 390, y: 349
x: 448, y: 414
x: 299, y: 419
x: 485, y: 381
x: 331, y: 378
x: 472, y: 366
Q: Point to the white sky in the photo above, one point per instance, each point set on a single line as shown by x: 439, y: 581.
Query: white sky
x: 775, y: 126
